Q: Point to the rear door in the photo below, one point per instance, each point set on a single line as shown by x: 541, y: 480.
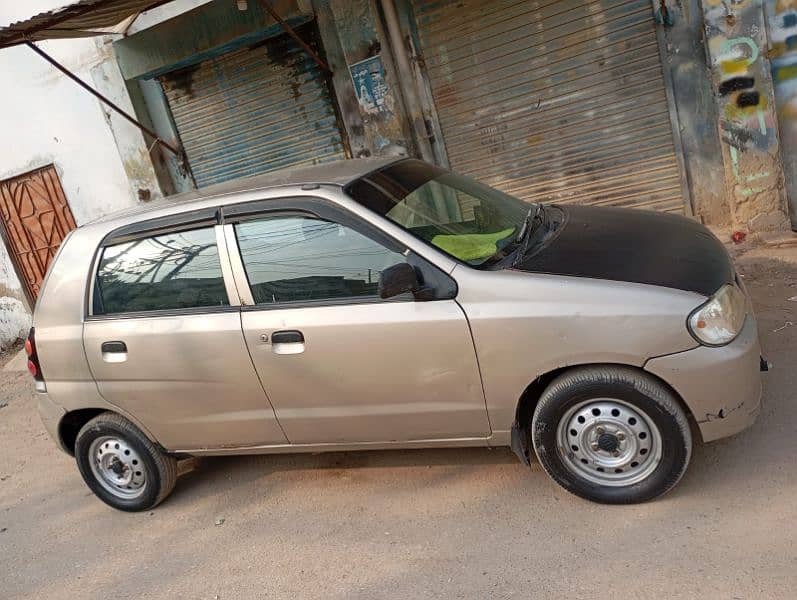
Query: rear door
x: 164, y: 342
x: 338, y: 363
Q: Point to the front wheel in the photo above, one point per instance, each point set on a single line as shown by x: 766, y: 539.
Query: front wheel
x: 121, y: 465
x: 611, y: 434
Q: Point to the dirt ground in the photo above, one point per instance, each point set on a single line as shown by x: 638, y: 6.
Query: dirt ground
x: 469, y: 523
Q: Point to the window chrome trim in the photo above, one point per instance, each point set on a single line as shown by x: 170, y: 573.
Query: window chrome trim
x: 233, y: 296
x: 238, y: 272
x: 167, y: 312
x: 328, y: 302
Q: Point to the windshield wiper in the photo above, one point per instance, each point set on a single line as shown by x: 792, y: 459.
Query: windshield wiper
x: 531, y: 217
x: 535, y: 217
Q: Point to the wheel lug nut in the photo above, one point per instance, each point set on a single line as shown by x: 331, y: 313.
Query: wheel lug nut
x: 600, y: 430
x: 616, y: 453
x: 621, y: 436
x: 594, y: 445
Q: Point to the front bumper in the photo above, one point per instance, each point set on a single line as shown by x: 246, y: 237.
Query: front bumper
x: 51, y: 415
x: 721, y: 386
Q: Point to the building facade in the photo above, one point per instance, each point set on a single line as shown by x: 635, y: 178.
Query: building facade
x: 651, y: 104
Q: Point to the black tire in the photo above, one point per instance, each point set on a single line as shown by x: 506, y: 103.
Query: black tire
x: 160, y: 469
x: 645, y: 394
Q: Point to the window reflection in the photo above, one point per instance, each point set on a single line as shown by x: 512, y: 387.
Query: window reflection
x: 174, y: 270
x: 296, y: 258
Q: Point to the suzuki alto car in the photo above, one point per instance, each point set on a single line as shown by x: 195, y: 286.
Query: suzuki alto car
x: 391, y: 304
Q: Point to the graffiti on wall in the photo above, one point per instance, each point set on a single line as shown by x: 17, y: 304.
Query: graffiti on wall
x: 781, y: 20
x: 748, y: 128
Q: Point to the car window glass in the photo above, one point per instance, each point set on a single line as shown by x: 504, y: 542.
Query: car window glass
x: 465, y: 219
x: 301, y: 258
x: 170, y: 271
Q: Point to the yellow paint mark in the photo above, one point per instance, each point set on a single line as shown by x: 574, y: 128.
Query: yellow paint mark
x: 736, y: 113
x: 783, y: 73
x: 777, y: 50
x: 734, y: 65
x: 784, y: 5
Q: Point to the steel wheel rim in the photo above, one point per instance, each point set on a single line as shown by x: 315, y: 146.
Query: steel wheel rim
x: 117, y: 467
x: 609, y: 442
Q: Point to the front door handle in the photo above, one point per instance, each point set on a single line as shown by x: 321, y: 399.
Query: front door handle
x: 114, y: 352
x: 288, y: 341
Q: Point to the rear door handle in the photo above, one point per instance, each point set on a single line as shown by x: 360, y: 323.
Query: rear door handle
x: 288, y: 341
x: 114, y: 352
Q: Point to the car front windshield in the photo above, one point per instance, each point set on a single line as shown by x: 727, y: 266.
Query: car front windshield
x: 470, y: 221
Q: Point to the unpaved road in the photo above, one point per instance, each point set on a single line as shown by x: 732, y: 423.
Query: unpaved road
x: 443, y: 524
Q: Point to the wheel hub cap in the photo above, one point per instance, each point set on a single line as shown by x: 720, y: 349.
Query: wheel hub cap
x: 609, y: 442
x: 117, y: 467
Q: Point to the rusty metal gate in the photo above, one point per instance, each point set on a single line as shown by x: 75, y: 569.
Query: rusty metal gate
x: 558, y: 100
x: 36, y: 219
x: 254, y: 110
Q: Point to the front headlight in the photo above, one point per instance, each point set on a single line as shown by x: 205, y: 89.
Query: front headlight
x: 719, y: 321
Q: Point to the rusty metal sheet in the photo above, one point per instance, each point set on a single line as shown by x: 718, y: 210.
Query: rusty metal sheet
x: 254, y: 110
x: 85, y: 18
x: 557, y: 100
x: 36, y: 219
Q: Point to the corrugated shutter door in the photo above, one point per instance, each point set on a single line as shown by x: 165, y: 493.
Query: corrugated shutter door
x: 559, y: 101
x: 253, y: 110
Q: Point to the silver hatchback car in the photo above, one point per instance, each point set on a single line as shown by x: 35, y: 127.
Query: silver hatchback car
x: 391, y: 304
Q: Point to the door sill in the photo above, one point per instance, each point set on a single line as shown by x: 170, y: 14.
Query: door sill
x: 493, y: 440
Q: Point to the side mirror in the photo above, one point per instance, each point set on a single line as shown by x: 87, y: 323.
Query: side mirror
x: 398, y: 279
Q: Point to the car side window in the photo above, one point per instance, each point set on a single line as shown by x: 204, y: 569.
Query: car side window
x: 296, y: 258
x: 169, y: 271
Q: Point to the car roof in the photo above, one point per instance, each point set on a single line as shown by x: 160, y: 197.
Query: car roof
x: 338, y: 173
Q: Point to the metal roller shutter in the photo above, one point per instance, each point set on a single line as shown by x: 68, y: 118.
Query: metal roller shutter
x: 554, y: 100
x: 254, y: 110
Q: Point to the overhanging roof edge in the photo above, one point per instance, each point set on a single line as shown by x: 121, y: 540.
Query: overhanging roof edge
x: 84, y: 18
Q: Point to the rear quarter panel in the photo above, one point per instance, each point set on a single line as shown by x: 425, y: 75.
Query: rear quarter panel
x: 58, y: 319
x: 526, y: 325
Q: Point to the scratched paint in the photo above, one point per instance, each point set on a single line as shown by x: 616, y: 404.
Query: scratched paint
x: 747, y: 120
x: 781, y: 20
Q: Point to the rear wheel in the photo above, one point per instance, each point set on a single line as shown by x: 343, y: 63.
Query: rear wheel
x: 611, y: 434
x: 121, y: 465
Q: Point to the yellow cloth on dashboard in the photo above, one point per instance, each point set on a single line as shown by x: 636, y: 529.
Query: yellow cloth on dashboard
x: 471, y: 246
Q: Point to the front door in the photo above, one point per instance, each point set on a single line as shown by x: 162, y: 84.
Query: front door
x: 338, y: 363
x: 36, y: 219
x: 164, y: 343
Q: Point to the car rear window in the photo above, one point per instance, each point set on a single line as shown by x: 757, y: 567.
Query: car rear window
x: 165, y: 272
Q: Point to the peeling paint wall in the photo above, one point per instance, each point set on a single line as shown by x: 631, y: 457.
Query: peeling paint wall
x: 47, y: 119
x: 736, y: 37
x: 14, y: 321
x: 14, y: 313
x: 781, y: 19
x: 350, y: 33
x: 133, y: 146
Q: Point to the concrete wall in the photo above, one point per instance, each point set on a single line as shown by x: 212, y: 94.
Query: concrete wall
x: 740, y: 70
x: 781, y: 19
x: 686, y: 69
x: 352, y: 33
